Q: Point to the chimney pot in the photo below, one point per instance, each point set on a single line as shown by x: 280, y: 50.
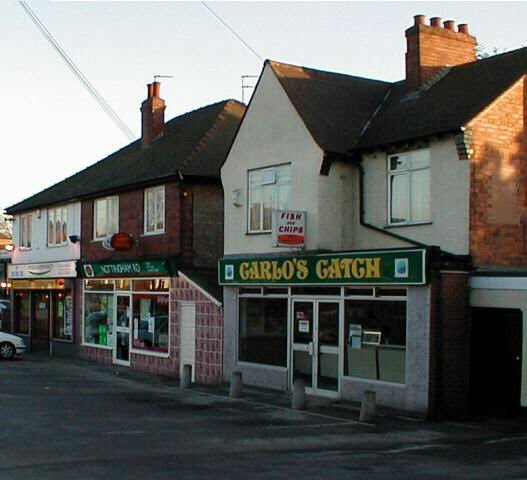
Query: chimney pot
x: 450, y: 25
x: 419, y: 19
x: 435, y: 22
x: 149, y: 90
x: 156, y: 87
x: 463, y: 28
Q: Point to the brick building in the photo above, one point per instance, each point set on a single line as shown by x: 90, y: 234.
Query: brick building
x: 150, y: 231
x: 430, y: 166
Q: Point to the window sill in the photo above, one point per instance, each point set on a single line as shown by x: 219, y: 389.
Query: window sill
x: 415, y: 224
x: 150, y: 353
x: 57, y: 245
x: 152, y: 234
x: 263, y: 232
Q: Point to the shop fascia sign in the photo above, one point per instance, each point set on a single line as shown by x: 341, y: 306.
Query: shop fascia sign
x: 289, y: 229
x: 128, y: 268
x: 43, y: 270
x: 388, y: 267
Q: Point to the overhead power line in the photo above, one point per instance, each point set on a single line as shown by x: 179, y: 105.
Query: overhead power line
x: 85, y: 82
x: 232, y: 31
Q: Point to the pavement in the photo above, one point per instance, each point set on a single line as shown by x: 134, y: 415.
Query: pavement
x: 71, y: 419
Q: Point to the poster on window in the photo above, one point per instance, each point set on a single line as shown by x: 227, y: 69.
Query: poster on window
x: 355, y: 336
x: 289, y: 229
x: 68, y: 316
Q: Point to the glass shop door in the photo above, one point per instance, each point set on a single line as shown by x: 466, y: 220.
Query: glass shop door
x: 121, y: 348
x: 316, y: 343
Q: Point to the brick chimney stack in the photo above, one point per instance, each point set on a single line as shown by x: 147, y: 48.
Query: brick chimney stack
x: 429, y: 48
x: 152, y: 115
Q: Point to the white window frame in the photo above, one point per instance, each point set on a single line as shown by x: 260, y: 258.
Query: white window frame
x: 25, y: 231
x: 157, y: 215
x: 270, y: 180
x: 407, y: 172
x: 109, y: 220
x: 57, y: 214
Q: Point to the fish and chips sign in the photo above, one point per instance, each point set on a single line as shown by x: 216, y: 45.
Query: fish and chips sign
x: 289, y: 229
x: 401, y: 267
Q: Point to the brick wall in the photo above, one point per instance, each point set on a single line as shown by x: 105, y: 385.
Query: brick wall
x: 193, y: 226
x: 449, y: 345
x: 498, y: 197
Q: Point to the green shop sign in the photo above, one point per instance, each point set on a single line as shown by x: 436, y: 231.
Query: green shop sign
x: 401, y: 267
x: 129, y: 267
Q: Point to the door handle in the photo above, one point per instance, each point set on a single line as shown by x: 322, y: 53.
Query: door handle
x: 311, y: 348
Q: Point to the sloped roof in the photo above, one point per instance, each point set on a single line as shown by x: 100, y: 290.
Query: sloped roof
x: 447, y: 105
x: 334, y: 107
x: 194, y: 144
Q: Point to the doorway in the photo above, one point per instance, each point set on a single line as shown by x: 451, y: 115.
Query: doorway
x: 496, y: 361
x: 40, y: 326
x: 121, y: 350
x: 316, y: 345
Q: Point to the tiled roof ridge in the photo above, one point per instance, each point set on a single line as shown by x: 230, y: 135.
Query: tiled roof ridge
x: 275, y: 63
x: 200, y: 146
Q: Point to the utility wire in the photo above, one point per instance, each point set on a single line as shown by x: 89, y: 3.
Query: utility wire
x: 91, y: 89
x: 232, y: 31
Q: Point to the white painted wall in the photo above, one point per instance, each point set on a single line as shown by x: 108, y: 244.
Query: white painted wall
x: 39, y: 251
x: 272, y: 133
x: 449, y: 191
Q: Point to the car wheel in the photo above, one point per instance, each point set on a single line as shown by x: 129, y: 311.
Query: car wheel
x: 7, y: 351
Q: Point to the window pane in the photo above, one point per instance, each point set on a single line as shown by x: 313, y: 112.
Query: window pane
x: 113, y: 212
x: 58, y: 231
x: 255, y: 177
x: 150, y: 322
x: 98, y: 318
x: 28, y: 238
x: 283, y: 174
x: 150, y: 222
x: 399, y: 198
x: 268, y: 205
x: 62, y: 315
x: 152, y: 285
x: 160, y: 209
x: 263, y: 331
x: 100, y: 218
x: 375, y: 340
x: 420, y: 159
x: 64, y: 225
x: 51, y: 230
x: 282, y: 202
x: 420, y: 200
x: 254, y: 212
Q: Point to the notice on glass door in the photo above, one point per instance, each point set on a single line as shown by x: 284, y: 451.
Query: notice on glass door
x: 303, y: 326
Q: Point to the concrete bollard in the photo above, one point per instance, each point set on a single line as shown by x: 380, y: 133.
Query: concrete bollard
x: 299, y: 395
x: 186, y: 377
x: 236, y: 385
x: 367, y: 408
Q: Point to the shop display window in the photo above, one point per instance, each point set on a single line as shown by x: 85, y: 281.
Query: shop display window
x: 98, y: 318
x: 22, y: 312
x: 263, y: 331
x: 150, y: 322
x: 62, y: 317
x: 375, y: 340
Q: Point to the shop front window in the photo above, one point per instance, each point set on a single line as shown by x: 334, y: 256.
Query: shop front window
x: 375, y: 340
x: 62, y: 315
x: 150, y: 322
x: 22, y: 311
x: 263, y: 331
x: 98, y: 317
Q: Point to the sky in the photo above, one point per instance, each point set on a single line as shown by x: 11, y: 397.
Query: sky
x: 51, y: 127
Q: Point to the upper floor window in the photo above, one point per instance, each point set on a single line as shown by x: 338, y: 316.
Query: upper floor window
x: 57, y: 226
x: 409, y: 187
x: 106, y: 217
x: 269, y: 188
x: 25, y: 231
x: 155, y: 210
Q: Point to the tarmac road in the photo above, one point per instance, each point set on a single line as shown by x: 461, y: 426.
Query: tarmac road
x: 65, y: 420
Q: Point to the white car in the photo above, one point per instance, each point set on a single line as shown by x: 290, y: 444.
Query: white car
x: 11, y: 345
